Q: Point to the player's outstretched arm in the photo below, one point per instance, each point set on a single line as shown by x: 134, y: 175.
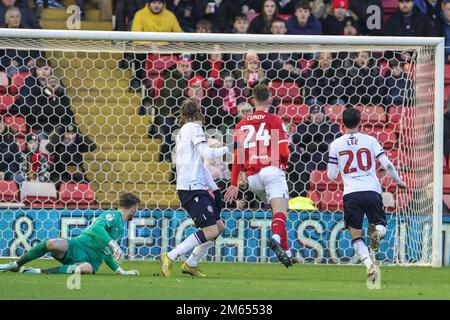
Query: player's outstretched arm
x: 209, y: 153
x: 333, y: 168
x: 391, y: 171
x: 114, y: 266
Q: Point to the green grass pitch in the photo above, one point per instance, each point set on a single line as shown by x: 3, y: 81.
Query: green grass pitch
x: 232, y: 281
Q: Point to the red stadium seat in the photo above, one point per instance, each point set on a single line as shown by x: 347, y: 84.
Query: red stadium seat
x: 331, y: 200
x: 393, y: 156
x: 6, y: 101
x: 446, y: 183
x: 402, y: 200
x: 374, y: 115
x: 446, y: 93
x: 447, y: 74
x: 17, y: 81
x: 17, y: 123
x: 395, y: 117
x: 156, y: 63
x: 38, y: 193
x: 284, y: 17
x: 318, y: 181
x: 444, y: 165
x: 8, y: 191
x: 294, y: 113
x: 411, y: 180
x: 286, y: 91
x: 76, y: 193
x: 390, y: 6
x: 385, y: 136
x: 334, y: 113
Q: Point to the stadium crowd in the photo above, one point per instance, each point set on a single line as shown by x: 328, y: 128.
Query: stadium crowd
x: 222, y: 83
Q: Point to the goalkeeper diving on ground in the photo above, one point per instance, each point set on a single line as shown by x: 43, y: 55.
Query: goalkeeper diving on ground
x: 85, y: 253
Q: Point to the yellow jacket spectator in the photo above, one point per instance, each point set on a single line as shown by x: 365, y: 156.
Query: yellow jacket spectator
x: 155, y: 17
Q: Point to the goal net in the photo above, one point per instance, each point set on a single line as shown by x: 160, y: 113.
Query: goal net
x: 75, y: 135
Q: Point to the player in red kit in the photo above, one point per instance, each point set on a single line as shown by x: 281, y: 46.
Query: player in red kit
x: 262, y: 151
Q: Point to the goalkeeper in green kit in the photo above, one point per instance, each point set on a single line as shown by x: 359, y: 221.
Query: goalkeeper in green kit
x: 84, y: 254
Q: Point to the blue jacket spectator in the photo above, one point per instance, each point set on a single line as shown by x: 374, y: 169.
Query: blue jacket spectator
x: 28, y: 21
x: 397, y: 85
x: 445, y: 30
x: 303, y: 22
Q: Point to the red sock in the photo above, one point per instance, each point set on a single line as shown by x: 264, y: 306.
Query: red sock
x: 279, y: 228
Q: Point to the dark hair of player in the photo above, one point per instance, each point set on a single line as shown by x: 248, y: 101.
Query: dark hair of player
x: 190, y: 112
x: 128, y: 201
x: 261, y: 93
x: 351, y: 118
x: 302, y: 4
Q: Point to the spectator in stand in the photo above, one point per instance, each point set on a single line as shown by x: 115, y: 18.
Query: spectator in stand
x: 241, y: 24
x: 261, y: 24
x: 252, y: 74
x: 167, y: 104
x: 281, y: 66
x: 364, y: 85
x: 124, y: 11
x: 28, y: 20
x: 334, y: 23
x: 445, y: 28
x: 226, y: 99
x: 185, y: 13
x: 235, y: 61
x: 210, y: 66
x: 227, y: 13
x: 303, y: 22
x: 203, y: 26
x: 312, y: 141
x: 433, y: 9
x: 35, y: 164
x: 10, y: 156
x: 67, y: 147
x: 351, y: 27
x: 323, y: 82
x: 408, y: 22
x: 361, y: 9
x: 52, y: 109
x: 397, y: 84
x: 32, y: 87
x: 13, y: 60
x: 154, y: 17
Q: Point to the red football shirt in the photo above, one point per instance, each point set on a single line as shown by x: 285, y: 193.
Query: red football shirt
x: 260, y: 140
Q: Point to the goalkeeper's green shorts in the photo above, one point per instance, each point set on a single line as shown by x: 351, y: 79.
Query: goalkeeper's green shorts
x: 80, y: 250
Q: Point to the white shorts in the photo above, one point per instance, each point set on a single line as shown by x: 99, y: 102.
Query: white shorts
x: 268, y: 184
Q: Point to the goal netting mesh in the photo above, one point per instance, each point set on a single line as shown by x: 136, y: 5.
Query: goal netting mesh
x: 76, y: 137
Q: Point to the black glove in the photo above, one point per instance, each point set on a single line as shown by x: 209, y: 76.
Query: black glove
x: 218, y: 199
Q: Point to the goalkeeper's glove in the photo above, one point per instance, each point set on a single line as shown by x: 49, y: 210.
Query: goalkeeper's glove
x: 116, y: 251
x: 128, y: 272
x: 218, y: 199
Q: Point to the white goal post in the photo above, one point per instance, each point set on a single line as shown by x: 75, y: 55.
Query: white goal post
x: 427, y: 103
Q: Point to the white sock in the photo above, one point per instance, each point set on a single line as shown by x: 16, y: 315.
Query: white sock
x: 187, y: 245
x: 276, y: 237
x: 363, y: 252
x: 198, y: 254
x: 14, y: 265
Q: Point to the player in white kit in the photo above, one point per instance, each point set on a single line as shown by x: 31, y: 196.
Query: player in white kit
x: 194, y: 184
x: 354, y: 155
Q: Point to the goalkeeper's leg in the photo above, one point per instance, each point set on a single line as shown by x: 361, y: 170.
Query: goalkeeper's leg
x: 57, y: 247
x: 82, y: 268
